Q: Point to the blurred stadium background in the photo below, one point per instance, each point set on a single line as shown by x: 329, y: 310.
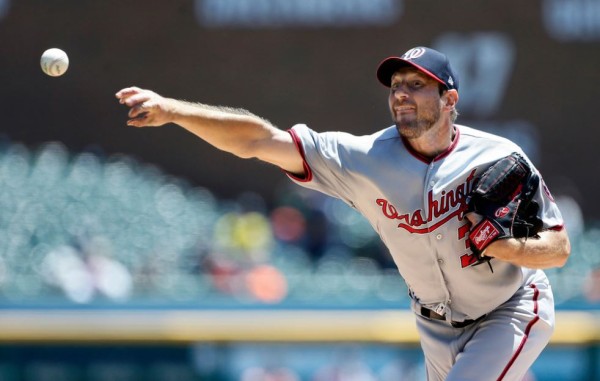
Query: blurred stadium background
x: 148, y: 255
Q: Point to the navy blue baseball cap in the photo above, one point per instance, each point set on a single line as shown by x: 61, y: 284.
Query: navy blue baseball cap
x: 426, y: 60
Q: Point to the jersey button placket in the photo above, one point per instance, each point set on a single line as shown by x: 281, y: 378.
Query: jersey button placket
x: 437, y: 238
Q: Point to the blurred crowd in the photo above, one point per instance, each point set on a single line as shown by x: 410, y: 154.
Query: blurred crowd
x: 87, y: 229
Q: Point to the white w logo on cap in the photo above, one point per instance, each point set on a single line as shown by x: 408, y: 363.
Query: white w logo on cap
x: 413, y: 53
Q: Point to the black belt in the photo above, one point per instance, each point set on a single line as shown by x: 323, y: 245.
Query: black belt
x: 426, y: 312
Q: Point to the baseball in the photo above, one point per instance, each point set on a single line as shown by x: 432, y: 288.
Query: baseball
x: 54, y: 62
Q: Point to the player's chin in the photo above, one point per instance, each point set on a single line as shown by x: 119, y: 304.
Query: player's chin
x: 408, y: 131
x: 406, y: 124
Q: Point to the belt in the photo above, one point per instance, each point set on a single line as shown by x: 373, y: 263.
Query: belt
x: 426, y: 312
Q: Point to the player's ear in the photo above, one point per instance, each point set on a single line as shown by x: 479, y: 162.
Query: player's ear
x: 451, y: 98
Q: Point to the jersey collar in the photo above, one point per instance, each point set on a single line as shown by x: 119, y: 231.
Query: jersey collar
x: 442, y: 155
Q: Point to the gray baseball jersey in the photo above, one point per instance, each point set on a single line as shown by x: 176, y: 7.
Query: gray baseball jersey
x: 416, y: 206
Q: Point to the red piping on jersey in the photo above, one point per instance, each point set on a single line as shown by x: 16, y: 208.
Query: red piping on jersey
x: 442, y: 155
x: 536, y: 294
x: 307, y: 171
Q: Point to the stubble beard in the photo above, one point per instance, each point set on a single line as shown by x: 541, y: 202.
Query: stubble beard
x: 412, y: 129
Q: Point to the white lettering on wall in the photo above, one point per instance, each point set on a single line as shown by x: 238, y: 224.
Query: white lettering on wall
x: 282, y: 13
x: 572, y: 20
x: 483, y: 63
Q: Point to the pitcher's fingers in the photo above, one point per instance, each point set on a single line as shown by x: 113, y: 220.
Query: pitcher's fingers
x: 474, y: 218
x: 127, y: 91
x: 137, y: 110
x: 136, y: 99
x: 140, y: 120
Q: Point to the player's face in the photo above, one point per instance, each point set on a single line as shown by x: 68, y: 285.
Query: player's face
x: 414, y: 102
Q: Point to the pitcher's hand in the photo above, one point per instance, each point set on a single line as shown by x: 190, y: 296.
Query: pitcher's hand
x: 147, y: 109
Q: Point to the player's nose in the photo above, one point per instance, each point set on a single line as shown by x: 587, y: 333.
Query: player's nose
x: 399, y: 93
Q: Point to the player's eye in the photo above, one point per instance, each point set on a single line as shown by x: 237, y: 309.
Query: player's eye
x: 415, y: 85
x: 401, y: 86
x: 408, y: 85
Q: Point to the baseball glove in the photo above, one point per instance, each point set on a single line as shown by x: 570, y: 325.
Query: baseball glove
x: 503, y: 196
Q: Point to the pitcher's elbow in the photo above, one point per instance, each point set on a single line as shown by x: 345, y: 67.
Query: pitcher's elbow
x: 565, y: 254
x: 562, y: 260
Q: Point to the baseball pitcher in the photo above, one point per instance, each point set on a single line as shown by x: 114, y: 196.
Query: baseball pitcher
x: 465, y: 215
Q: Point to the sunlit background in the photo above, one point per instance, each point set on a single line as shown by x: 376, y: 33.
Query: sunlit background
x: 148, y: 255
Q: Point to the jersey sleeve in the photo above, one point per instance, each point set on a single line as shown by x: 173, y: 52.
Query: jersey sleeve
x: 549, y: 212
x: 324, y: 168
